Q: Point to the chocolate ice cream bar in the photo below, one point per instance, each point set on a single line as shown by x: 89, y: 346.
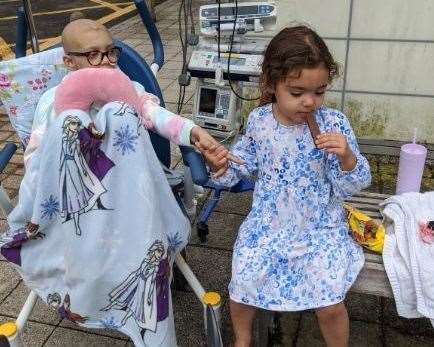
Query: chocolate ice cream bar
x: 313, y: 126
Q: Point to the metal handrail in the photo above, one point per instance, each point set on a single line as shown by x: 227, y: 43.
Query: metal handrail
x: 31, y: 24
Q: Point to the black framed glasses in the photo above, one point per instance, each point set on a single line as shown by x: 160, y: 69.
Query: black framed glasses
x: 95, y: 58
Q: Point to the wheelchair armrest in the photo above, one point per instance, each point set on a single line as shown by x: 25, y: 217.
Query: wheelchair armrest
x: 195, y: 161
x: 6, y: 154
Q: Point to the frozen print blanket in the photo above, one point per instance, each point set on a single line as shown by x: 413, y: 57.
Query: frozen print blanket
x: 96, y: 227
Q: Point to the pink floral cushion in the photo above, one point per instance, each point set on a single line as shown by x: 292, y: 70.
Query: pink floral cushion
x: 23, y: 81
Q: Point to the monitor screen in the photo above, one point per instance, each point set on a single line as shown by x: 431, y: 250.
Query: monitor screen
x: 207, y: 100
x: 246, y: 10
x: 227, y: 11
x: 234, y: 61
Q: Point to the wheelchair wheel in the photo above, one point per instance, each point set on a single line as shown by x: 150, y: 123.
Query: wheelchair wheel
x: 202, y: 231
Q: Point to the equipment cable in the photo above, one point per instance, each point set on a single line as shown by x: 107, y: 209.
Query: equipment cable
x: 229, y: 58
x: 183, y: 39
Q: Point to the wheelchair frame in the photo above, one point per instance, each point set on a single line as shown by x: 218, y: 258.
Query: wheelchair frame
x: 132, y: 64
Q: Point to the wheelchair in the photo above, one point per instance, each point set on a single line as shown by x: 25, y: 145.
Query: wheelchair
x: 194, y: 172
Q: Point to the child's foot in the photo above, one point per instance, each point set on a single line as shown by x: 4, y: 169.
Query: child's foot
x: 100, y: 206
x: 77, y: 230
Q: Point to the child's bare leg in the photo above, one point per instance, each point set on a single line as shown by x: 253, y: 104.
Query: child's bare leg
x: 242, y: 321
x: 334, y: 324
x: 76, y: 217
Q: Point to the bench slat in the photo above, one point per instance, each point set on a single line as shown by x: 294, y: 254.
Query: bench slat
x: 374, y: 215
x: 373, y: 280
x: 378, y: 196
x: 373, y: 258
x: 365, y: 207
x: 365, y: 200
x: 388, y: 147
x: 368, y: 203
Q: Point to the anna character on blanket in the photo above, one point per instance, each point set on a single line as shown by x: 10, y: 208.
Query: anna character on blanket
x: 54, y: 300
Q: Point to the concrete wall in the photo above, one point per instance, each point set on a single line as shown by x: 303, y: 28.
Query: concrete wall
x: 386, y: 52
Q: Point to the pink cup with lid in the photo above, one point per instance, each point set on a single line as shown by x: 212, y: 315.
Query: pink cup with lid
x: 411, y: 165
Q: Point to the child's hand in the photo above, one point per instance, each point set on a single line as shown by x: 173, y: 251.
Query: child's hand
x: 337, y: 143
x: 202, y: 139
x: 96, y: 133
x: 217, y: 159
x: 215, y: 153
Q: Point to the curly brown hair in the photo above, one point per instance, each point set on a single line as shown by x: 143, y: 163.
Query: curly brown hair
x: 290, y: 51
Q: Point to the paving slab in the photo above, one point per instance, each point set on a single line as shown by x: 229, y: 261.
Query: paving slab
x: 3, y: 227
x: 10, y: 169
x: 223, y: 230
x: 309, y: 333
x: 172, y: 106
x: 9, y: 279
x: 12, y: 182
x: 419, y: 326
x: 212, y: 267
x: 166, y: 82
x: 239, y: 203
x: 34, y: 334
x: 69, y: 338
x: 188, y: 313
x: 172, y: 91
x: 394, y: 338
x: 211, y: 262
x: 189, y: 320
x: 289, y: 324
x: 363, y: 307
x: 41, y: 313
x: 362, y: 334
x: 103, y: 332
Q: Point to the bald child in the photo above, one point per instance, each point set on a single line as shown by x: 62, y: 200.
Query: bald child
x: 89, y: 44
x: 83, y: 41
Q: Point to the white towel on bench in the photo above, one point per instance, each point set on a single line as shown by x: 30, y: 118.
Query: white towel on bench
x: 409, y: 262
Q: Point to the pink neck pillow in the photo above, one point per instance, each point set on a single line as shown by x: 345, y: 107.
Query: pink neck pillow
x: 81, y: 88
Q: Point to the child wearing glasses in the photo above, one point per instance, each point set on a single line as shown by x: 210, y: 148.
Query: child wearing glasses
x: 88, y: 43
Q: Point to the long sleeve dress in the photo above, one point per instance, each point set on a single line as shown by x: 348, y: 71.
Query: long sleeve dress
x: 293, y: 251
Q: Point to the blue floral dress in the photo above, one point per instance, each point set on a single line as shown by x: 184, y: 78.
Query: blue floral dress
x: 293, y: 251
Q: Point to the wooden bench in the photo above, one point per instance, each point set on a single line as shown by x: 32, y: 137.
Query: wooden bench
x: 373, y: 279
x: 388, y: 147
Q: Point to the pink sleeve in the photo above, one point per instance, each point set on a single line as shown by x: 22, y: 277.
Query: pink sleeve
x: 169, y: 125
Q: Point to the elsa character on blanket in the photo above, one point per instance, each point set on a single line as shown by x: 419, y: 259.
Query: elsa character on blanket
x: 143, y: 295
x: 80, y: 188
